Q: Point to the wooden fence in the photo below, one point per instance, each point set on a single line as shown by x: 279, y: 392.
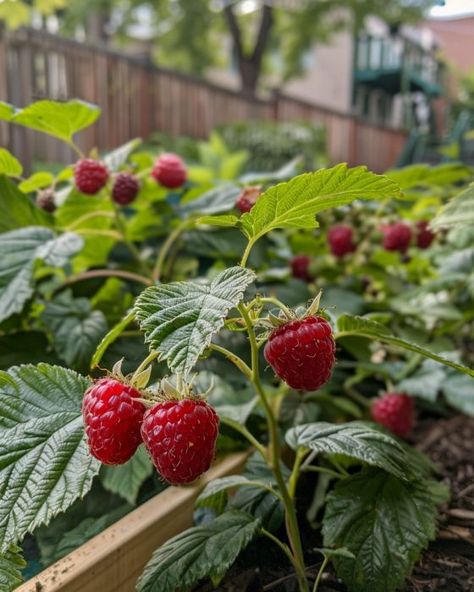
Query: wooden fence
x: 138, y: 98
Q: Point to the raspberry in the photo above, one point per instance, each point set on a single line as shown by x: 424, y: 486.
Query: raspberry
x: 340, y: 240
x: 301, y: 352
x: 125, y: 189
x: 248, y: 198
x: 181, y: 438
x: 169, y: 171
x: 395, y: 412
x: 300, y: 268
x: 424, y: 236
x: 90, y: 176
x: 397, y: 237
x: 45, y: 200
x: 112, y: 418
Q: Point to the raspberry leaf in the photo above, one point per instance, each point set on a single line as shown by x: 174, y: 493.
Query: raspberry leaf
x: 356, y: 439
x: 217, y: 486
x: 20, y: 250
x: 179, y: 319
x: 45, y: 464
x: 11, y: 564
x: 9, y: 165
x: 59, y: 119
x: 36, y: 181
x: 295, y: 204
x: 199, y: 552
x: 217, y: 200
x: 359, y: 326
x: 385, y: 522
x: 118, y: 157
x: 125, y: 480
x: 17, y: 210
x: 457, y: 213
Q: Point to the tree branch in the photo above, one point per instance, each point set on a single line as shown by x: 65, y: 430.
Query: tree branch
x: 234, y: 29
x: 266, y: 25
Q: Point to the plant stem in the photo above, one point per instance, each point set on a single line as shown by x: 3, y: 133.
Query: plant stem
x: 274, y: 460
x: 282, y: 546
x: 89, y: 216
x: 169, y: 242
x: 300, y: 455
x: 320, y: 573
x: 98, y: 273
x: 241, y: 365
x: 276, y: 302
x: 324, y: 470
x: 246, y: 254
x: 238, y: 427
x: 131, y: 247
x: 150, y: 357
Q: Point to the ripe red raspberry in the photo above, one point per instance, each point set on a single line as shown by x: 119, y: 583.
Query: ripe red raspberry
x: 301, y: 352
x: 397, y: 237
x: 90, y: 176
x: 112, y: 418
x: 125, y: 189
x: 424, y: 236
x: 170, y: 171
x: 248, y: 198
x: 395, y: 411
x: 45, y: 200
x: 340, y: 240
x: 300, y: 268
x: 181, y: 438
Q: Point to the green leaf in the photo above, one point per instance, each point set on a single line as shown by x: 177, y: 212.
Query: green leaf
x: 225, y: 220
x: 76, y: 328
x: 111, y: 336
x: 61, y: 120
x: 384, y: 522
x: 118, y: 157
x: 17, y: 210
x: 125, y: 480
x: 7, y: 111
x: 356, y: 439
x: 9, y: 165
x: 218, y: 485
x: 349, y: 325
x: 44, y: 461
x: 199, y: 552
x: 219, y: 199
x: 36, y: 181
x: 426, y: 382
x: 288, y: 170
x: 457, y: 213
x: 11, y: 564
x: 295, y: 204
x: 179, y: 319
x: 20, y: 249
x: 458, y: 391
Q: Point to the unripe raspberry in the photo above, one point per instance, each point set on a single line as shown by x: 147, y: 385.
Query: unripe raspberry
x: 90, y: 176
x: 300, y: 268
x: 395, y: 411
x: 169, y: 171
x: 424, y: 236
x: 340, y: 240
x: 248, y: 198
x: 125, y: 189
x: 45, y: 200
x: 397, y: 237
x: 302, y: 352
x: 112, y: 418
x: 181, y: 438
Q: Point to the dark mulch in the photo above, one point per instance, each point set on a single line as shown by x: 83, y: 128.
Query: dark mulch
x: 448, y: 564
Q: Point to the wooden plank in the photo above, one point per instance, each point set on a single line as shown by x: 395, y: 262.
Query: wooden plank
x: 111, y: 561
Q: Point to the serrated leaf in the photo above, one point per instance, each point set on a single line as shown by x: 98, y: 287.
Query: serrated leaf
x: 76, y: 328
x: 295, y: 204
x: 20, y: 249
x: 45, y: 464
x: 349, y: 325
x: 110, y: 337
x: 17, y: 210
x: 219, y: 199
x: 59, y: 119
x: 199, y: 552
x: 384, y: 522
x: 179, y: 319
x: 225, y: 220
x: 356, y: 439
x: 9, y: 165
x: 125, y: 480
x: 11, y: 564
x: 36, y: 181
x: 118, y: 157
x: 457, y: 213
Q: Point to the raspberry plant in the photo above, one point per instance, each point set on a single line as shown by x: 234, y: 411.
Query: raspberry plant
x: 58, y: 425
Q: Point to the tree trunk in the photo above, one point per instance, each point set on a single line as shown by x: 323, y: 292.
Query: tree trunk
x: 250, y: 67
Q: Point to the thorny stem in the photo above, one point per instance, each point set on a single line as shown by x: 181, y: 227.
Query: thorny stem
x: 274, y: 460
x: 320, y: 573
x: 169, y: 242
x: 131, y: 247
